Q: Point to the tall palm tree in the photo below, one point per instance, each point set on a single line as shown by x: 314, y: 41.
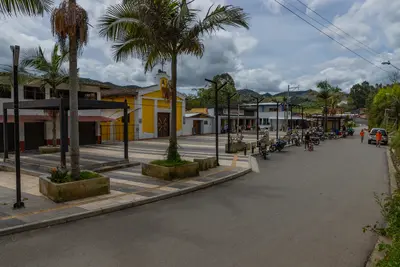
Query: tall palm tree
x: 25, y: 7
x: 159, y: 30
x: 52, y: 73
x: 70, y: 22
x: 336, y: 97
x: 324, y: 94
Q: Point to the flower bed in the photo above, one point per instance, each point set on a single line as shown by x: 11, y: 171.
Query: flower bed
x: 168, y: 170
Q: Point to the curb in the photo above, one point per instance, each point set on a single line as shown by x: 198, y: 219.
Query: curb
x: 376, y: 254
x: 116, y: 207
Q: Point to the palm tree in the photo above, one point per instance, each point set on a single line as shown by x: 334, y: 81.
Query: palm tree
x: 324, y: 94
x: 70, y: 21
x: 159, y: 30
x: 25, y: 7
x: 336, y: 97
x: 52, y: 73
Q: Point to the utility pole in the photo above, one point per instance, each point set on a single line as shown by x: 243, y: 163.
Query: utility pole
x: 19, y: 204
x: 238, y: 113
x: 229, y: 97
x: 216, y: 114
x: 258, y: 101
x: 288, y: 103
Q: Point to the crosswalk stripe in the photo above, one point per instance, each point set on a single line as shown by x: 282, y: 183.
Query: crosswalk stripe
x: 121, y: 181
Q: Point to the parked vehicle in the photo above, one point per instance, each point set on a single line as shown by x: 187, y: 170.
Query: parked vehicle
x: 278, y: 145
x: 350, y: 131
x: 310, y: 146
x: 372, y: 136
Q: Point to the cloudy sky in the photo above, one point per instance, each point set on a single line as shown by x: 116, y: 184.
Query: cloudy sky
x: 278, y: 50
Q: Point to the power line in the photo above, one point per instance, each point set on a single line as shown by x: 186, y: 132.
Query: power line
x: 315, y: 12
x: 304, y: 13
x: 330, y: 37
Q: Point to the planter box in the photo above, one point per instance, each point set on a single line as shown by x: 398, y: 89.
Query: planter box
x: 235, y: 147
x: 74, y: 190
x: 170, y: 173
x: 207, y: 163
x: 49, y: 149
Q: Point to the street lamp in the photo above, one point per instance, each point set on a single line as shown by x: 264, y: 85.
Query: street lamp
x: 229, y: 97
x: 19, y: 204
x: 258, y: 101
x: 216, y: 114
x: 388, y: 63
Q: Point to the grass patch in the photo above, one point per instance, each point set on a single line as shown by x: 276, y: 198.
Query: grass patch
x: 59, y: 176
x: 170, y: 163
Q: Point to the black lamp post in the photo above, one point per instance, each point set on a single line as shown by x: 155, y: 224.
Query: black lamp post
x: 19, y: 204
x: 258, y: 101
x: 216, y: 115
x: 229, y: 97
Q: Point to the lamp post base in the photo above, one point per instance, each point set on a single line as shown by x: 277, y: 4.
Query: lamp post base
x: 19, y: 205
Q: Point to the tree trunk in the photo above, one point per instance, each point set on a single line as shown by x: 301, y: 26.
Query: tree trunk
x: 73, y: 98
x: 54, y: 130
x: 173, y: 154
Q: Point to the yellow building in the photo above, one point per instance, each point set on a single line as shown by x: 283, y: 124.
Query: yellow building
x: 149, y: 112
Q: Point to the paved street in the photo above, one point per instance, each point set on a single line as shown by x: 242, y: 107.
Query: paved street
x: 304, y: 209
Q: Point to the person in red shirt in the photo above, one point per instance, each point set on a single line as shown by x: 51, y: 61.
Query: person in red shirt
x: 378, y: 138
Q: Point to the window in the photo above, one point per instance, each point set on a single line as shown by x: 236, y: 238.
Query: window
x: 205, y: 122
x: 87, y: 95
x: 33, y: 93
x: 5, y: 91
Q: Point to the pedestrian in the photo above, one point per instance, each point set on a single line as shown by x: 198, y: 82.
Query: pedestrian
x: 362, y: 133
x: 378, y: 138
x: 307, y: 139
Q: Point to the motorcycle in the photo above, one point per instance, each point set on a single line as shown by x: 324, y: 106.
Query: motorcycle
x: 295, y: 139
x: 350, y: 131
x: 263, y: 145
x: 310, y: 146
x: 277, y: 146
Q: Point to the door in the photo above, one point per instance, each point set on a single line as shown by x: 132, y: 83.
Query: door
x: 87, y: 133
x: 197, y: 126
x: 34, y: 135
x: 163, y: 124
x: 10, y: 130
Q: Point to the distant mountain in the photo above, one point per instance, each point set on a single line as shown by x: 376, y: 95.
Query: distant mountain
x: 247, y: 95
x: 296, y: 93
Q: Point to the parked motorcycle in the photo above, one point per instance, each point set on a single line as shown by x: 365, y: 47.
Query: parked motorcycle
x: 278, y: 145
x: 350, y: 131
x: 295, y: 139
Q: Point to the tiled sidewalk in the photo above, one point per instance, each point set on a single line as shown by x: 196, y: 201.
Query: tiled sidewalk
x: 128, y: 188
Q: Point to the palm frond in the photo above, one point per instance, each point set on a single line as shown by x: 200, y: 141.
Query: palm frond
x: 25, y: 7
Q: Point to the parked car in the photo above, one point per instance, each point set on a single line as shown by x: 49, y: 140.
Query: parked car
x: 372, y: 134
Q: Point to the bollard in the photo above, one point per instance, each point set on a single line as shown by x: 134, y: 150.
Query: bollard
x: 252, y: 148
x: 245, y: 150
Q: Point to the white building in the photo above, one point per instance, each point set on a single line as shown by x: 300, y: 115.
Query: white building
x: 197, y: 123
x: 268, y: 113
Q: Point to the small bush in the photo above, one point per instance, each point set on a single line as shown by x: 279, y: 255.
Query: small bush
x: 61, y: 175
x: 170, y: 163
x: 390, y: 210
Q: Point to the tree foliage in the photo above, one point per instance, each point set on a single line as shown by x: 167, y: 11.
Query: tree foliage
x: 385, y: 106
x: 25, y: 7
x: 160, y: 30
x: 207, y: 95
x: 359, y: 94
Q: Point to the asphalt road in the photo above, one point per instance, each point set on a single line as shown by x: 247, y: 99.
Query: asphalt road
x: 305, y: 209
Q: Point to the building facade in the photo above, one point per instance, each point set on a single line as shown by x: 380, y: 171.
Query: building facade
x: 36, y: 126
x: 149, y: 112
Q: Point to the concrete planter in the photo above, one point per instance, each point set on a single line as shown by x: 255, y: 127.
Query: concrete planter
x: 74, y: 190
x: 49, y: 149
x: 170, y: 173
x: 236, y: 147
x: 207, y: 163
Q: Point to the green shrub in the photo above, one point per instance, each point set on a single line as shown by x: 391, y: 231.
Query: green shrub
x: 170, y: 163
x: 390, y: 210
x: 61, y: 175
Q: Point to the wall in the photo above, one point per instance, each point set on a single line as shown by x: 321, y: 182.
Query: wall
x: 206, y: 128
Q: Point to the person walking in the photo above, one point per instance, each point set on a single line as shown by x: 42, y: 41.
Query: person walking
x: 362, y: 133
x: 378, y: 138
x: 307, y: 139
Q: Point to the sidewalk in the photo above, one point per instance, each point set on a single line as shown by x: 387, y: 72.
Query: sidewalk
x: 128, y: 189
